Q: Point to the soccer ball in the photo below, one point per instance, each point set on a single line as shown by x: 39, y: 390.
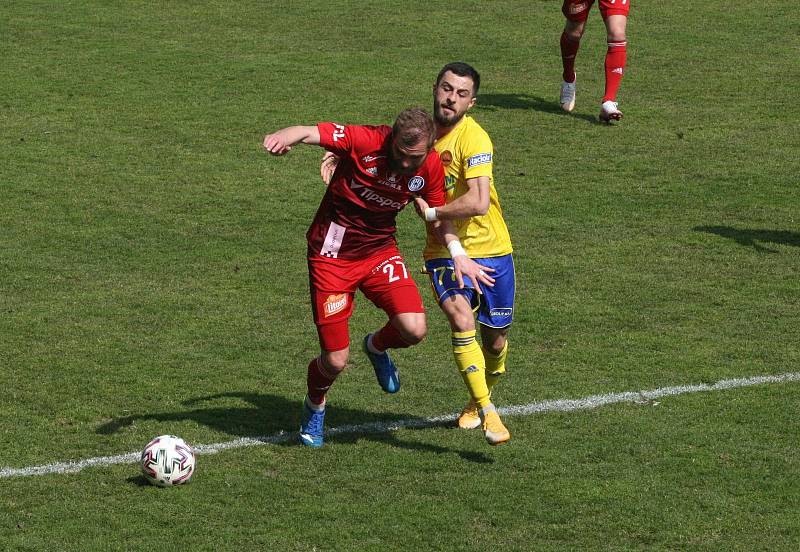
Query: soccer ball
x: 167, y: 460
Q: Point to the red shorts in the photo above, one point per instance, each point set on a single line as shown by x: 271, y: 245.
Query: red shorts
x: 382, y: 278
x: 578, y: 10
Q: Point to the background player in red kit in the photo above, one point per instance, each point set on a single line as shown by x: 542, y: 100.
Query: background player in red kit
x: 615, y: 17
x: 352, y: 245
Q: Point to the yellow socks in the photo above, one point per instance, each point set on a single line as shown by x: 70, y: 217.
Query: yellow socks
x: 495, y: 366
x: 471, y: 364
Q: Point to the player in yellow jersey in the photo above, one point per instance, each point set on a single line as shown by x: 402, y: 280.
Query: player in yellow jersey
x: 472, y: 204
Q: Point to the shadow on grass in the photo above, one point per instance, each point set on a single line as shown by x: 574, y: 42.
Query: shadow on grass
x: 269, y: 415
x: 138, y: 480
x: 493, y: 102
x: 751, y: 238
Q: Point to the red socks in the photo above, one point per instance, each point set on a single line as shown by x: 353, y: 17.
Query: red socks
x: 320, y: 377
x: 569, y: 49
x: 388, y: 338
x: 318, y: 380
x: 615, y: 66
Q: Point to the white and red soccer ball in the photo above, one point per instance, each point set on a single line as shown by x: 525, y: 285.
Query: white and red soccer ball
x: 167, y: 460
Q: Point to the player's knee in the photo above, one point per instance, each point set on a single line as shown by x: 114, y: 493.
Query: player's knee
x: 616, y: 36
x: 461, y: 321
x: 416, y: 336
x: 493, y: 340
x: 575, y: 36
x: 414, y: 333
x: 615, y: 29
x: 335, y: 361
x: 495, y: 348
x: 574, y: 30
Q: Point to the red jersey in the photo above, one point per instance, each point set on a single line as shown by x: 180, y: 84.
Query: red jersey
x: 356, y: 217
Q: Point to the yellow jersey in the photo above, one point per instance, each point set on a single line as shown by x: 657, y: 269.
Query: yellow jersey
x: 466, y: 152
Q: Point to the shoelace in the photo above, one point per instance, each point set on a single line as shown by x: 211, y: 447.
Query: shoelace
x: 315, y: 422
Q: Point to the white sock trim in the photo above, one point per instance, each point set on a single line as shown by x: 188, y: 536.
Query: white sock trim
x: 370, y: 347
x: 315, y: 407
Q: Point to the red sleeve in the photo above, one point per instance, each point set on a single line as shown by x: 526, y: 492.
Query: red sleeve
x: 341, y: 139
x: 345, y: 139
x: 434, y: 192
x: 334, y: 137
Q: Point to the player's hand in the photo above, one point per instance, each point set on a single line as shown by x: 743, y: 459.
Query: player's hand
x: 479, y: 274
x: 276, y: 144
x: 419, y: 206
x: 328, y: 166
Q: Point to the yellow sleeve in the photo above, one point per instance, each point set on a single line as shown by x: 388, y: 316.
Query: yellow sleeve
x: 478, y: 154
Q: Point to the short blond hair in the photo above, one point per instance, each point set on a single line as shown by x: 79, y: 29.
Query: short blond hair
x: 414, y: 125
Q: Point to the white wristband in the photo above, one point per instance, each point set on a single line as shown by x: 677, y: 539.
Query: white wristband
x: 455, y: 249
x: 430, y: 214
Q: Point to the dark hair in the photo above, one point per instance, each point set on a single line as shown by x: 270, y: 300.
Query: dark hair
x: 462, y: 70
x: 414, y: 125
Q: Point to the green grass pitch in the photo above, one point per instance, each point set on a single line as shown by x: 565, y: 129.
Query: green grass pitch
x: 153, y: 279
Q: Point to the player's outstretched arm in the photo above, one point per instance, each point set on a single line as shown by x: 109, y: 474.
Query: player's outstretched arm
x: 282, y: 141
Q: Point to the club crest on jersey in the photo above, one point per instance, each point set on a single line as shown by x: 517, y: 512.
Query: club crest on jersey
x: 372, y: 170
x: 446, y: 158
x: 416, y: 184
x: 480, y: 159
x: 334, y: 304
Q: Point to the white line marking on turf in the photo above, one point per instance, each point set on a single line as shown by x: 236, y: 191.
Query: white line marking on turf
x: 563, y: 405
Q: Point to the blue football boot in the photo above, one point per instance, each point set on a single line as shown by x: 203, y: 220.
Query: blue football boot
x: 385, y: 370
x: 311, y: 426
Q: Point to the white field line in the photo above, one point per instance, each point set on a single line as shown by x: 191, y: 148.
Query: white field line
x: 562, y: 405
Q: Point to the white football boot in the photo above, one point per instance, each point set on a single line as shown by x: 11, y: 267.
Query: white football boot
x: 609, y: 112
x: 568, y: 95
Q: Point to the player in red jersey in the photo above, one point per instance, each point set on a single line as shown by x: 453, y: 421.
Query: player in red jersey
x: 352, y: 245
x: 615, y: 17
